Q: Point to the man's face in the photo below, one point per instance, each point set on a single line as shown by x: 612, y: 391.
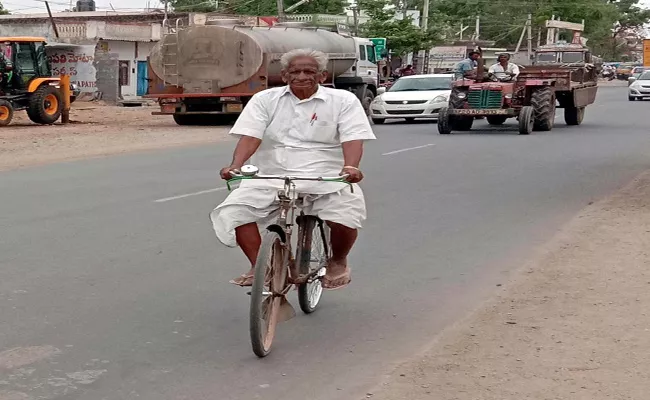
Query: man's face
x: 474, y: 56
x: 302, y: 74
x: 503, y: 59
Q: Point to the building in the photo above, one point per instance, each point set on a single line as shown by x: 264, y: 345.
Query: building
x: 104, y: 52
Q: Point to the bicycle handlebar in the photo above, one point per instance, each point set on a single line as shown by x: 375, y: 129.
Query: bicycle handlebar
x: 236, y: 177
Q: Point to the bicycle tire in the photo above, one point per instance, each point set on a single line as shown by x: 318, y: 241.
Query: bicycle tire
x: 312, y: 231
x: 264, y: 308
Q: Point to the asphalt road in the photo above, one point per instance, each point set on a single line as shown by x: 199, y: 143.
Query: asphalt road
x: 113, y: 262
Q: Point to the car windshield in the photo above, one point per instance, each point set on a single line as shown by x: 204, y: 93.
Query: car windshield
x: 572, y: 57
x: 644, y: 76
x: 422, y: 83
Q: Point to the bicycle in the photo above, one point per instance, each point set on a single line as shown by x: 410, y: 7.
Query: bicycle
x: 276, y: 266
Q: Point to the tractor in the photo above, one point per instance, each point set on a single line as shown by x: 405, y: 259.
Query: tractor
x: 26, y: 81
x: 497, y: 98
x: 563, y: 75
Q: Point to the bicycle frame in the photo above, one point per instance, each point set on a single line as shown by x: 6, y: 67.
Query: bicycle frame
x: 288, y: 197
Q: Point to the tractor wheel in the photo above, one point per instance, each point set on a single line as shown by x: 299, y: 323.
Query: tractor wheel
x: 454, y: 100
x: 543, y: 103
x: 496, y: 119
x: 574, y: 115
x: 526, y: 120
x: 463, y: 123
x: 6, y: 112
x: 45, y: 105
x: 444, y: 121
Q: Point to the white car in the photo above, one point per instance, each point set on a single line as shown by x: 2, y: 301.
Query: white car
x: 411, y: 97
x: 640, y: 87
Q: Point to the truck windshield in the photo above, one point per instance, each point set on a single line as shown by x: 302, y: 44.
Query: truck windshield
x: 422, y: 83
x: 547, y: 57
x: 572, y: 56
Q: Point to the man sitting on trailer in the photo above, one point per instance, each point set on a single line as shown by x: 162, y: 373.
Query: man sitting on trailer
x: 504, y: 69
x: 302, y: 129
x: 467, y: 67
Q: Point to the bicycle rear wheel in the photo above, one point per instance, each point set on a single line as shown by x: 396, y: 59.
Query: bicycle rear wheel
x: 313, y: 251
x: 270, y: 280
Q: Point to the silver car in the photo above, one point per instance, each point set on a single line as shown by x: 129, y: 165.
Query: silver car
x: 411, y: 97
x: 640, y: 87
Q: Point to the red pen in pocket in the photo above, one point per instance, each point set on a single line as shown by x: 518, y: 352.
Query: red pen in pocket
x: 314, y: 117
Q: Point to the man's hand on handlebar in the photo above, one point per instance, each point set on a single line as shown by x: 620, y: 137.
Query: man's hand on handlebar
x: 354, y: 175
x: 226, y: 173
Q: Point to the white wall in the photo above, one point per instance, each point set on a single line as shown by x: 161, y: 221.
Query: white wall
x: 126, y: 51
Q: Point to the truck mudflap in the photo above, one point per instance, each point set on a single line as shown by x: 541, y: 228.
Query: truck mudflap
x: 478, y: 112
x: 582, y: 97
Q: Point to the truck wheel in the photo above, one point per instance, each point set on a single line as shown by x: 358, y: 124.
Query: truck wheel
x: 574, y: 115
x: 543, y: 103
x: 368, y: 97
x: 45, y: 105
x: 526, y: 120
x: 444, y: 123
x: 463, y: 124
x: 496, y: 119
x: 188, y: 119
x: 6, y: 112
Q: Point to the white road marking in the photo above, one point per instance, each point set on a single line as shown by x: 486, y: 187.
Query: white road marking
x: 182, y: 196
x: 408, y: 149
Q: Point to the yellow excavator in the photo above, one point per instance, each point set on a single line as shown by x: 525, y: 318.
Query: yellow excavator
x: 26, y: 81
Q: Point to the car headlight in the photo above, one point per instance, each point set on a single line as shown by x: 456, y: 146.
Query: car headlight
x: 440, y: 99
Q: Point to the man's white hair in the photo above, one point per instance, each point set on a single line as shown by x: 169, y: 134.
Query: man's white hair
x: 318, y: 56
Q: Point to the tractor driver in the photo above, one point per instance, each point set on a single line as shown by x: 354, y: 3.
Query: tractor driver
x: 504, y: 69
x: 6, y: 67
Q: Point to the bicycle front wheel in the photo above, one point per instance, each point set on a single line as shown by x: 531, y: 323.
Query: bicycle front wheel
x: 313, y: 251
x: 270, y: 280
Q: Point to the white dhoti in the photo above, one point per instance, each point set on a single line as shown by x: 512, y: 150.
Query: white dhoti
x: 252, y: 204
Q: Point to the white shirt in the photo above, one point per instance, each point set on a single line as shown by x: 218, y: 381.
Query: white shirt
x: 498, y: 68
x: 302, y: 137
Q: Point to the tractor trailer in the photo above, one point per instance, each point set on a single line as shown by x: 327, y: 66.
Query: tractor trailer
x: 204, y: 74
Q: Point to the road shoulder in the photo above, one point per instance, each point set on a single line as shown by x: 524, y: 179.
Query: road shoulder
x: 97, y: 130
x: 573, y: 323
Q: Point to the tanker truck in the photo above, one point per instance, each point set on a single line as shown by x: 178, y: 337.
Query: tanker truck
x: 203, y: 74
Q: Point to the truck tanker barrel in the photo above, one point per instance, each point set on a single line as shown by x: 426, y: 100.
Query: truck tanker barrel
x: 230, y: 55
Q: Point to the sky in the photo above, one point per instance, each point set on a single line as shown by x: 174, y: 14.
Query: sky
x: 38, y: 6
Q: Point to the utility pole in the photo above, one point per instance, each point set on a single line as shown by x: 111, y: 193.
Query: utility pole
x: 280, y: 5
x: 539, y: 37
x: 478, y: 26
x: 521, y: 38
x: 529, y: 34
x: 355, y: 16
x: 423, y: 54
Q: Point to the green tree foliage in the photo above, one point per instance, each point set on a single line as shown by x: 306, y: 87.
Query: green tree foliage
x: 268, y: 7
x: 200, y: 6
x: 3, y: 11
x: 401, y: 35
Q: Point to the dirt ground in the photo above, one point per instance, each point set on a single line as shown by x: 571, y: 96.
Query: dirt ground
x: 572, y: 324
x: 96, y: 130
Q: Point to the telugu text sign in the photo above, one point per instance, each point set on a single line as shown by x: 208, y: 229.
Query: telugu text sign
x: 78, y: 63
x: 646, y: 52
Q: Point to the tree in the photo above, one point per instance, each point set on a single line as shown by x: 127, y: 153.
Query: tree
x: 200, y: 6
x: 401, y: 35
x: 268, y: 7
x: 3, y: 11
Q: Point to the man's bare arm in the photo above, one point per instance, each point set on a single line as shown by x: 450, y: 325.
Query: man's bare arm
x: 352, y: 153
x: 246, y: 147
